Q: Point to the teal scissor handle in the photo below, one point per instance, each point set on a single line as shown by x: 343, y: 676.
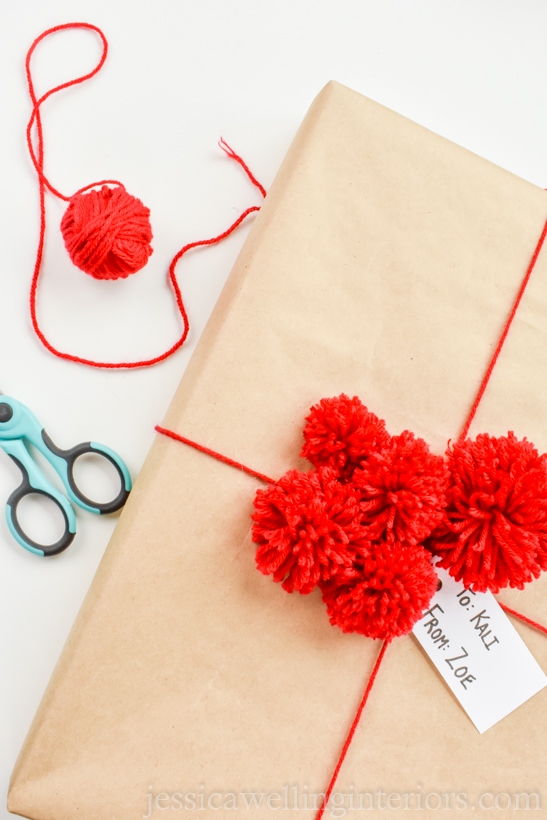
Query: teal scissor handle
x: 34, y: 482
x: 64, y: 460
x: 18, y: 425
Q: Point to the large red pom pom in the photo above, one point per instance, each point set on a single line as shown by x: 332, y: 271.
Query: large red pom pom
x: 495, y: 532
x: 385, y: 592
x: 107, y: 233
x: 403, y: 490
x: 340, y: 433
x: 307, y: 526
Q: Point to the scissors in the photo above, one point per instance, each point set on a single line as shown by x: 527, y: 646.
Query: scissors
x: 19, y: 427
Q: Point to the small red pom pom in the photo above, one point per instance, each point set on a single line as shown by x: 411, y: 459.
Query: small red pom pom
x: 495, y: 531
x: 340, y: 433
x: 385, y: 592
x: 403, y: 490
x: 107, y: 233
x: 307, y: 526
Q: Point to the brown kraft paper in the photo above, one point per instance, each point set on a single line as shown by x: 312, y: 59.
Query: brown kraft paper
x: 383, y: 264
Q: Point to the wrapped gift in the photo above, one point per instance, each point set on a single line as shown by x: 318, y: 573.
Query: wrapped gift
x: 383, y: 264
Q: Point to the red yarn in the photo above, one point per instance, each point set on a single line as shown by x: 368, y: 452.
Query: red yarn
x: 307, y: 526
x: 495, y: 531
x: 353, y: 729
x: 384, y: 593
x: 403, y: 490
x: 523, y: 618
x: 232, y: 154
x: 107, y: 233
x: 341, y: 433
x: 505, y: 331
x: 116, y: 247
x: 219, y: 457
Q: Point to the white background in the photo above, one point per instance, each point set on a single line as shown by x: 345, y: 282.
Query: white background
x: 180, y: 74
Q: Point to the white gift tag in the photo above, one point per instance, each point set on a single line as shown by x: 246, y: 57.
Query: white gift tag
x: 478, y: 652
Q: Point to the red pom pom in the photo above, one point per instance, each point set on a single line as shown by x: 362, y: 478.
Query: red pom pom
x: 385, y: 592
x: 307, y: 526
x: 340, y: 433
x: 403, y: 490
x: 495, y: 532
x: 107, y: 233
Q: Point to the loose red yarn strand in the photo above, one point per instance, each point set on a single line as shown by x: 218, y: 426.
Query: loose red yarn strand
x: 231, y: 153
x: 170, y: 434
x: 37, y: 157
x: 509, y: 322
x: 38, y: 161
x: 352, y: 731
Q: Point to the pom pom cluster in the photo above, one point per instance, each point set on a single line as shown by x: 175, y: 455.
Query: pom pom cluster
x: 354, y: 526
x: 364, y: 524
x: 107, y: 232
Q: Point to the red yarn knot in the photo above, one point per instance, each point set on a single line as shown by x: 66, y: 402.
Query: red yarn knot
x: 107, y: 232
x: 341, y: 433
x: 494, y: 533
x: 384, y: 593
x: 307, y: 526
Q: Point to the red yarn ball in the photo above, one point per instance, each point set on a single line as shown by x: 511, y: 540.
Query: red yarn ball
x: 107, y: 233
x: 341, y: 433
x: 384, y: 593
x: 403, y: 490
x: 495, y: 531
x: 307, y: 526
